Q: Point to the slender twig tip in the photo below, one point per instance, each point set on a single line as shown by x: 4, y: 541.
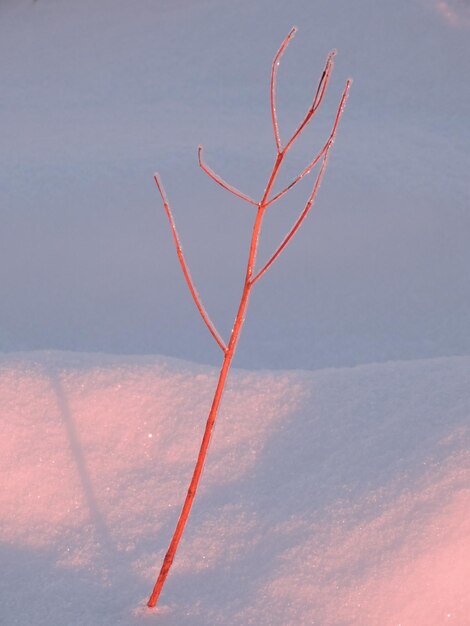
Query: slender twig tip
x: 161, y: 189
x: 156, y: 178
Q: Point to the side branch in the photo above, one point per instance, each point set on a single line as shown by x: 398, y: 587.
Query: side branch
x: 220, y: 181
x: 274, y: 69
x: 312, y: 164
x: 297, y: 224
x: 312, y: 197
x: 317, y: 100
x: 184, y: 267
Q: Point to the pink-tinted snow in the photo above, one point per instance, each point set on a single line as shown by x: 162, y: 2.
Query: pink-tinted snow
x: 334, y: 498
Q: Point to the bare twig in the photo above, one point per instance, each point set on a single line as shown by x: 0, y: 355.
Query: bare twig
x: 250, y: 280
x: 184, y: 267
x: 220, y: 181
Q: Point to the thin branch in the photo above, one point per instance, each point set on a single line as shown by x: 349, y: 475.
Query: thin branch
x: 220, y: 181
x: 297, y: 224
x: 312, y: 197
x: 312, y: 164
x: 274, y: 69
x: 323, y: 82
x: 317, y: 100
x: 306, y: 171
x: 184, y: 267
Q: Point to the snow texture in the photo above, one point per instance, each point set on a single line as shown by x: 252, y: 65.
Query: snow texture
x: 337, y: 497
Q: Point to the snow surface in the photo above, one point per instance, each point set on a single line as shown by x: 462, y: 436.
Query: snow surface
x: 336, y: 498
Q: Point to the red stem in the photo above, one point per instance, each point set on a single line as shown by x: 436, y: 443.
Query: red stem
x: 229, y: 351
x: 237, y: 327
